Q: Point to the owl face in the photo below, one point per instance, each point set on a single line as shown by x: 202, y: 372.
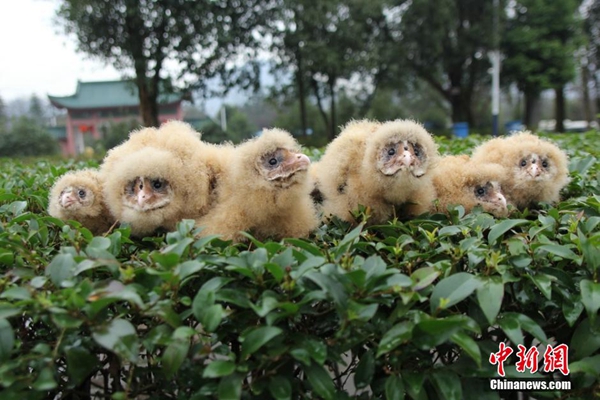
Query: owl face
x: 146, y: 194
x: 282, y: 165
x: 534, y: 167
x: 489, y: 195
x: 401, y: 155
x: 74, y: 198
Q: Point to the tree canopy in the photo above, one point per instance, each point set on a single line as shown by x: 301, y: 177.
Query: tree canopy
x: 26, y: 137
x: 538, y: 44
x: 331, y: 52
x: 200, y: 36
x: 325, y: 42
x: 2, y: 115
x: 445, y: 43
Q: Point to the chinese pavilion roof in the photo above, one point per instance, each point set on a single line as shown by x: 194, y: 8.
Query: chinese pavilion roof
x: 107, y: 94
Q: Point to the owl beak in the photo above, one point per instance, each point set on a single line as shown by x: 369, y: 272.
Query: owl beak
x: 300, y: 161
x: 143, y: 196
x: 500, y: 199
x: 534, y: 170
x: 68, y: 199
x: 407, y: 157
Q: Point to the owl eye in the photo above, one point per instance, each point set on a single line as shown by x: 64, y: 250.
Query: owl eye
x: 391, y: 151
x: 157, y: 184
x: 417, y: 151
x: 523, y: 162
x: 81, y: 193
x: 480, y: 191
x: 545, y: 164
x: 273, y: 161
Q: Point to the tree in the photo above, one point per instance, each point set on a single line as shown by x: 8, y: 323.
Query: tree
x: 445, y: 43
x: 3, y: 117
x: 539, y: 45
x: 141, y: 34
x: 26, y: 137
x: 36, y: 109
x: 212, y: 133
x: 115, y: 133
x: 324, y: 43
x: 239, y: 126
x: 566, y: 30
x: 385, y: 106
x: 260, y: 111
x: 592, y: 53
x: 288, y: 118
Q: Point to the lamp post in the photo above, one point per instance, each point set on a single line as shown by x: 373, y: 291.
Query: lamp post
x: 224, y: 118
x: 495, y: 59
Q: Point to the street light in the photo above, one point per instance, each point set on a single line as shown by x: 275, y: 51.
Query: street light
x: 495, y: 59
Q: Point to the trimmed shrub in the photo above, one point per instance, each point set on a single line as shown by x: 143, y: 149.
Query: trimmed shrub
x: 404, y: 310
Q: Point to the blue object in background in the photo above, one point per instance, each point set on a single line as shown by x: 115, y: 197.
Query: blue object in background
x: 460, y: 129
x: 513, y: 126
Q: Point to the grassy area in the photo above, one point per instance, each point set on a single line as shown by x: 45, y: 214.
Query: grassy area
x: 402, y: 310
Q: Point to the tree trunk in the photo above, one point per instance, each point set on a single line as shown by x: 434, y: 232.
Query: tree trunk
x: 333, y: 127
x: 148, y: 99
x: 560, y: 109
x: 597, y: 91
x: 301, y: 93
x: 366, y: 105
x: 148, y: 104
x: 587, y: 105
x: 303, y: 123
x: 148, y: 108
x: 315, y: 85
x: 530, y: 99
x: 147, y: 88
x: 461, y: 111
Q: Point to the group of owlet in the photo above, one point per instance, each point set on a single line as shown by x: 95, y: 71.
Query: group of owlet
x: 268, y: 187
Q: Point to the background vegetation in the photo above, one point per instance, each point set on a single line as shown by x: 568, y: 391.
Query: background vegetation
x: 309, y: 69
x: 26, y: 135
x: 319, y: 58
x: 403, y: 310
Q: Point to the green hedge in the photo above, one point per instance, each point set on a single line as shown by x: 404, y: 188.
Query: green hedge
x: 404, y: 310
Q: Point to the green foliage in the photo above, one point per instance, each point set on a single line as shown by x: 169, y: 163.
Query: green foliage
x: 450, y: 57
x: 3, y: 116
x: 403, y: 310
x: 327, y: 42
x: 539, y: 44
x: 26, y: 137
x: 288, y: 118
x: 116, y: 133
x: 199, y: 36
x: 213, y: 133
x: 592, y: 30
x: 2, y: 108
x: 239, y: 126
x: 36, y: 110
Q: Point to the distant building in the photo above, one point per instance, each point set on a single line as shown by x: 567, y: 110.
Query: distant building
x: 97, y: 104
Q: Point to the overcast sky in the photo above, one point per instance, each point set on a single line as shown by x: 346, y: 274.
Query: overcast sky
x: 36, y: 57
